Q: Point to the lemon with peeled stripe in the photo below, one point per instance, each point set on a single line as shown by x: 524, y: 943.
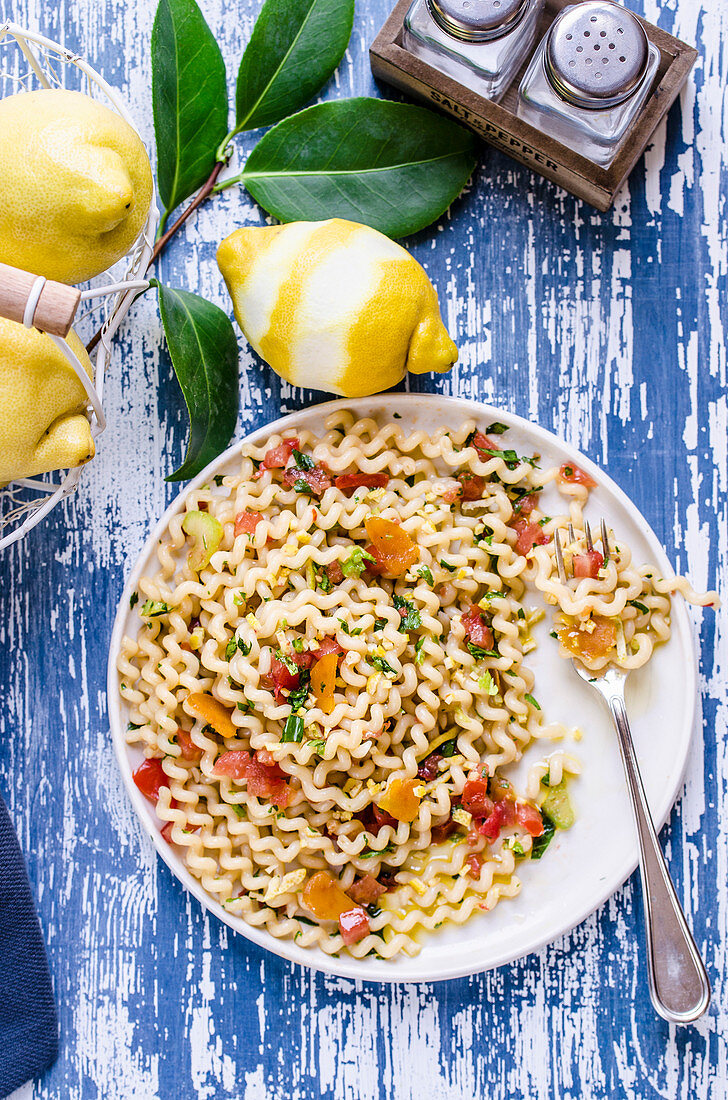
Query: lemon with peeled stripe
x: 334, y: 305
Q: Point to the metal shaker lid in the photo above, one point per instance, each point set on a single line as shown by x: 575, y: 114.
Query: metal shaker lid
x: 477, y: 20
x: 596, y: 54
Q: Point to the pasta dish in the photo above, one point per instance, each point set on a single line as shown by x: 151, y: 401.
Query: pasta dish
x: 330, y: 679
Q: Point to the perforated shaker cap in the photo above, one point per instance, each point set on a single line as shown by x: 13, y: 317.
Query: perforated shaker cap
x: 596, y: 54
x: 477, y: 20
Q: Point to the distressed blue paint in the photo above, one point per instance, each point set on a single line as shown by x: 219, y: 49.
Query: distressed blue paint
x: 591, y: 319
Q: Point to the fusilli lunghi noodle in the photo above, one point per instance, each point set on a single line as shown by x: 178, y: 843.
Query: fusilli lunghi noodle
x: 329, y: 679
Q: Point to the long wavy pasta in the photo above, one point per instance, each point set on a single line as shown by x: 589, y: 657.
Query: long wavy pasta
x: 327, y: 701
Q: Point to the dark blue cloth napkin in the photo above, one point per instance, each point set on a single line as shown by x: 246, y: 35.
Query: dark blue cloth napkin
x: 28, y: 1022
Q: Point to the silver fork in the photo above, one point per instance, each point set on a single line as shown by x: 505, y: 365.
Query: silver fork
x: 679, y: 986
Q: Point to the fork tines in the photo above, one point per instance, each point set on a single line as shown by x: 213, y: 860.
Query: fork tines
x: 559, y: 556
x: 559, y: 550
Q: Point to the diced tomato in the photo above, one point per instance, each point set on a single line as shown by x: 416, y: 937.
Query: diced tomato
x: 366, y: 890
x: 335, y: 573
x: 283, y: 677
x: 442, y: 832
x: 503, y: 813
x: 400, y: 800
x: 246, y: 522
x: 382, y: 818
x: 392, y: 547
x: 277, y: 457
x: 526, y: 504
x: 452, y: 494
x: 574, y: 475
x: 347, y: 483
x: 587, y: 564
x: 376, y: 567
x: 166, y: 831
x: 188, y: 748
x: 317, y: 479
x: 582, y: 643
x: 353, y: 925
x: 323, y: 680
x: 428, y: 769
x: 475, y: 864
x: 528, y: 536
x: 150, y: 777
x: 265, y: 756
x: 475, y: 797
x: 264, y: 780
x: 482, y: 443
x: 472, y: 486
x: 476, y: 628
x: 529, y: 817
x: 328, y: 645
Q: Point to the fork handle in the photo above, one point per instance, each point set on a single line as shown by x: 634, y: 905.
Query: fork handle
x: 679, y: 986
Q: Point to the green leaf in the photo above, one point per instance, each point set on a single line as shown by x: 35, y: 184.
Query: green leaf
x: 204, y: 353
x: 541, y: 843
x: 189, y: 100
x: 356, y: 159
x: 293, y: 50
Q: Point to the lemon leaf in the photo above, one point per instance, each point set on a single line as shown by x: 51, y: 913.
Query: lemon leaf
x: 189, y: 100
x: 204, y: 353
x: 355, y: 159
x: 293, y: 50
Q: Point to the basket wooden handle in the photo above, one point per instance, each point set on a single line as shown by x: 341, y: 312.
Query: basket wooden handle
x: 32, y: 300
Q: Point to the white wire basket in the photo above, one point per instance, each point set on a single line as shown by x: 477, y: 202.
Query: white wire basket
x: 28, y: 61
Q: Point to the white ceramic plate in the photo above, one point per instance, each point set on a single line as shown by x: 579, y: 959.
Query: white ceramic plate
x: 582, y: 866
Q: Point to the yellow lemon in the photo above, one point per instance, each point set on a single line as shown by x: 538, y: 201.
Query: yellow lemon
x: 334, y: 305
x: 75, y: 184
x: 42, y: 426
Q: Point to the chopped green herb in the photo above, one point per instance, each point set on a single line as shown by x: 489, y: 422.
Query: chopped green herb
x: 487, y: 683
x: 495, y: 595
x: 218, y: 479
x: 381, y: 665
x: 420, y: 650
x: 373, y: 909
x: 448, y: 748
x: 410, y: 480
x: 246, y: 707
x: 293, y: 729
x: 530, y: 699
x: 446, y: 565
x: 324, y: 581
x: 568, y: 471
x: 302, y: 486
x: 379, y: 624
x: 479, y: 653
x: 298, y: 645
x: 553, y: 634
x: 318, y: 746
x: 133, y: 599
x: 241, y: 811
x: 546, y: 780
x: 541, y: 843
x: 640, y: 606
x: 368, y: 853
x: 521, y: 613
x: 303, y: 462
x: 297, y: 698
x: 411, y: 619
x: 288, y: 662
x: 236, y: 644
x: 353, y: 564
x: 151, y: 609
x: 133, y: 726
x: 397, y: 416
x: 239, y: 599
x: 496, y: 428
x: 425, y: 572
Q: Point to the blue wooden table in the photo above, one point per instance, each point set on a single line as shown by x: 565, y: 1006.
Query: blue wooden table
x: 606, y: 328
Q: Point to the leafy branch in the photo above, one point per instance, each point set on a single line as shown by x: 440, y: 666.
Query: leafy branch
x: 354, y: 159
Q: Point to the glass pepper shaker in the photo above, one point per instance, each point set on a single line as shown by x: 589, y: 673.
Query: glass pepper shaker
x: 480, y: 43
x: 589, y: 78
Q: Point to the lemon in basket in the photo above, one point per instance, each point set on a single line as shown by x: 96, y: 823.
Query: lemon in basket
x: 42, y: 425
x: 75, y: 184
x: 334, y: 305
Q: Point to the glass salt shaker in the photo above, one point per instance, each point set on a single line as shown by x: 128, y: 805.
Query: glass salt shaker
x: 589, y: 78
x: 480, y: 43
